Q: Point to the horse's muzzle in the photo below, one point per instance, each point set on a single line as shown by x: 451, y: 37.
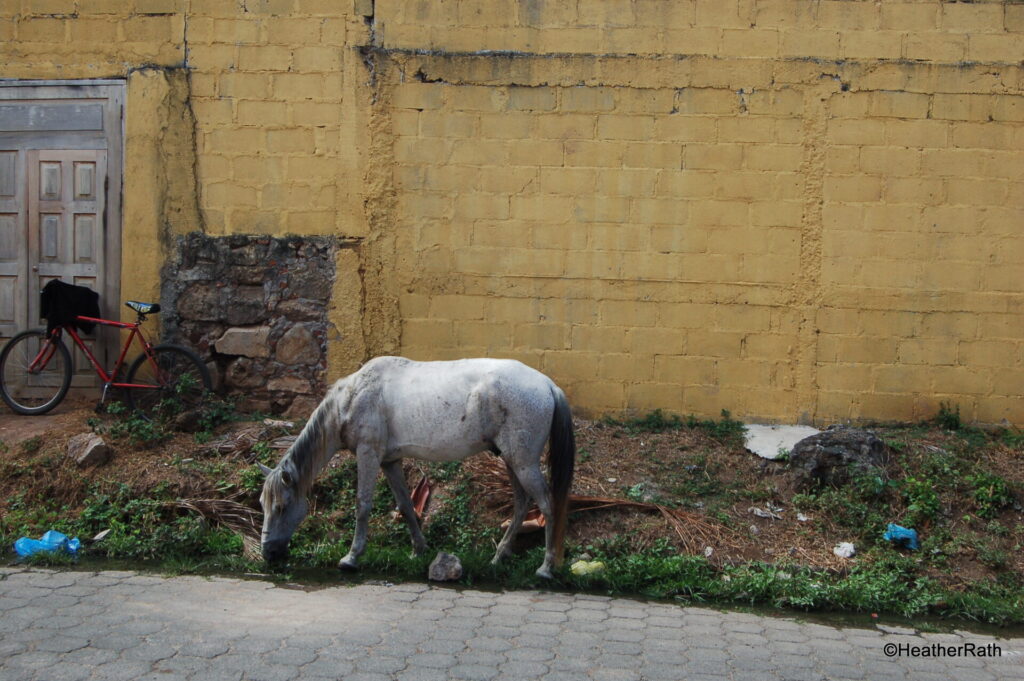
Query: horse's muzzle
x: 275, y: 552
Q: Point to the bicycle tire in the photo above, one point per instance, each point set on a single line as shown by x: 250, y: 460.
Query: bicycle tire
x: 189, y: 381
x: 33, y: 394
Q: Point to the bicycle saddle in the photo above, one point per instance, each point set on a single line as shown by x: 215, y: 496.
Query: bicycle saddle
x: 143, y: 308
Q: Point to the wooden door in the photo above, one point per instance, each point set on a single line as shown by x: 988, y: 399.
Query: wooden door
x: 13, y: 243
x: 61, y: 145
x: 65, y: 230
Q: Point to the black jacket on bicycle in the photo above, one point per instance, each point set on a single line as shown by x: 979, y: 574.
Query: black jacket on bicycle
x: 60, y: 303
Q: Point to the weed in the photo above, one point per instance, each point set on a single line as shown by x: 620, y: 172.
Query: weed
x: 991, y: 493
x: 1013, y: 438
x: 659, y: 422
x: 264, y: 453
x: 215, y: 411
x: 948, y: 417
x: 922, y: 500
x: 31, y: 445
x: 992, y: 556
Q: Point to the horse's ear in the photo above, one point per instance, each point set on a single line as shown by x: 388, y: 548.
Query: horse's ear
x: 286, y: 478
x: 264, y: 469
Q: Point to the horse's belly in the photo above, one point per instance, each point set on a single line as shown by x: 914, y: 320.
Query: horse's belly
x: 439, y: 451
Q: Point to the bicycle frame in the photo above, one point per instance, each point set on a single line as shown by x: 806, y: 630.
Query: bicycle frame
x: 47, y: 351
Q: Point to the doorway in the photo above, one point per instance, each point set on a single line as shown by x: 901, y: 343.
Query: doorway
x: 60, y: 200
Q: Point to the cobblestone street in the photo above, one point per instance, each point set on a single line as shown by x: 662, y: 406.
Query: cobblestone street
x: 58, y: 625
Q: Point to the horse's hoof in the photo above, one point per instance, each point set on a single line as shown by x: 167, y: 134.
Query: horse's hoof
x: 544, y: 572
x: 348, y: 564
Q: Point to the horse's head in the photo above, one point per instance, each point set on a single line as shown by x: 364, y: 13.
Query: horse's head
x: 284, y: 507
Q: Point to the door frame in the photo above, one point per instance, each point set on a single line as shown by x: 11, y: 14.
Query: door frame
x: 111, y: 91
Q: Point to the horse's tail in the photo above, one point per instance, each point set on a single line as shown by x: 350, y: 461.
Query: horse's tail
x: 561, y: 462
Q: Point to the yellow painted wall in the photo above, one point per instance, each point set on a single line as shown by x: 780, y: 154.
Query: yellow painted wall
x: 790, y: 209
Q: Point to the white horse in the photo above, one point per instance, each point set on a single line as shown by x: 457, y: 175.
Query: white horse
x: 435, y: 411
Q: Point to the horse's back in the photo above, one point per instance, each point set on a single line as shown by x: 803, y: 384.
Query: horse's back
x: 450, y: 409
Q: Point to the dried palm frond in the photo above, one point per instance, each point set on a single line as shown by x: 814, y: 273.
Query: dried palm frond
x: 694, y: 530
x: 231, y: 514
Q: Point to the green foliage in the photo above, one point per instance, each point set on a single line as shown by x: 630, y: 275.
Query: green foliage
x: 922, y: 500
x: 948, y: 416
x: 131, y: 426
x: 31, y: 445
x: 215, y: 411
x: 659, y: 422
x: 990, y: 492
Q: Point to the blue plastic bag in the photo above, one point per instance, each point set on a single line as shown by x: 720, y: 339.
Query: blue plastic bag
x: 51, y: 542
x: 901, y: 536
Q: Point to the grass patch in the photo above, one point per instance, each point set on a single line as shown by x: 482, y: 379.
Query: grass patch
x: 951, y: 484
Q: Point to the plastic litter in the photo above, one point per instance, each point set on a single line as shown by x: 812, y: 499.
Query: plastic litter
x: 761, y: 513
x: 51, y: 542
x: 586, y: 567
x: 844, y: 550
x: 901, y: 536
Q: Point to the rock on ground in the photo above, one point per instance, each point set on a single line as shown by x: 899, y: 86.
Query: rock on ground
x: 445, y: 568
x: 832, y: 456
x: 88, y: 449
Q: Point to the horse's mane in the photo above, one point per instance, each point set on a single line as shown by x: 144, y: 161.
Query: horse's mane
x: 316, y: 444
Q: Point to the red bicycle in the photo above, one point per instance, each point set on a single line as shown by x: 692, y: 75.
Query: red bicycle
x: 35, y: 369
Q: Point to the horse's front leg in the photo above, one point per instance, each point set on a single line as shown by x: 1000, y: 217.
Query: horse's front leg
x: 367, y: 465
x: 396, y: 479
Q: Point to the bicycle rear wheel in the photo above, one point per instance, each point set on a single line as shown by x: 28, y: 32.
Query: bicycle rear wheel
x: 34, y: 389
x: 179, y: 382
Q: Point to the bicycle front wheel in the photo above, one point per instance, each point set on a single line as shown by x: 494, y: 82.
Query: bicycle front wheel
x: 177, y: 382
x: 35, y: 372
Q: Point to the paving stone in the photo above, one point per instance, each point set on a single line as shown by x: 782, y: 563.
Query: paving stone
x: 656, y: 672
x: 529, y: 654
x: 383, y: 664
x: 623, y: 647
x: 523, y: 669
x: 473, y: 672
x: 623, y: 635
x: 443, y: 645
x: 332, y: 668
x: 291, y: 656
x: 421, y: 674
x: 63, y: 672
x: 61, y: 644
x: 615, y: 674
x: 480, y: 657
x: 272, y: 672
x: 121, y: 670
x: 433, y: 660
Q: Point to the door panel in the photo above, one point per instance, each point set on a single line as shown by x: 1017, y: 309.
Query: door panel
x: 13, y: 245
x: 65, y: 241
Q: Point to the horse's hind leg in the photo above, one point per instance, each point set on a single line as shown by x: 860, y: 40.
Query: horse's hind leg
x: 533, y: 482
x: 519, y: 504
x: 396, y: 479
x: 367, y: 466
